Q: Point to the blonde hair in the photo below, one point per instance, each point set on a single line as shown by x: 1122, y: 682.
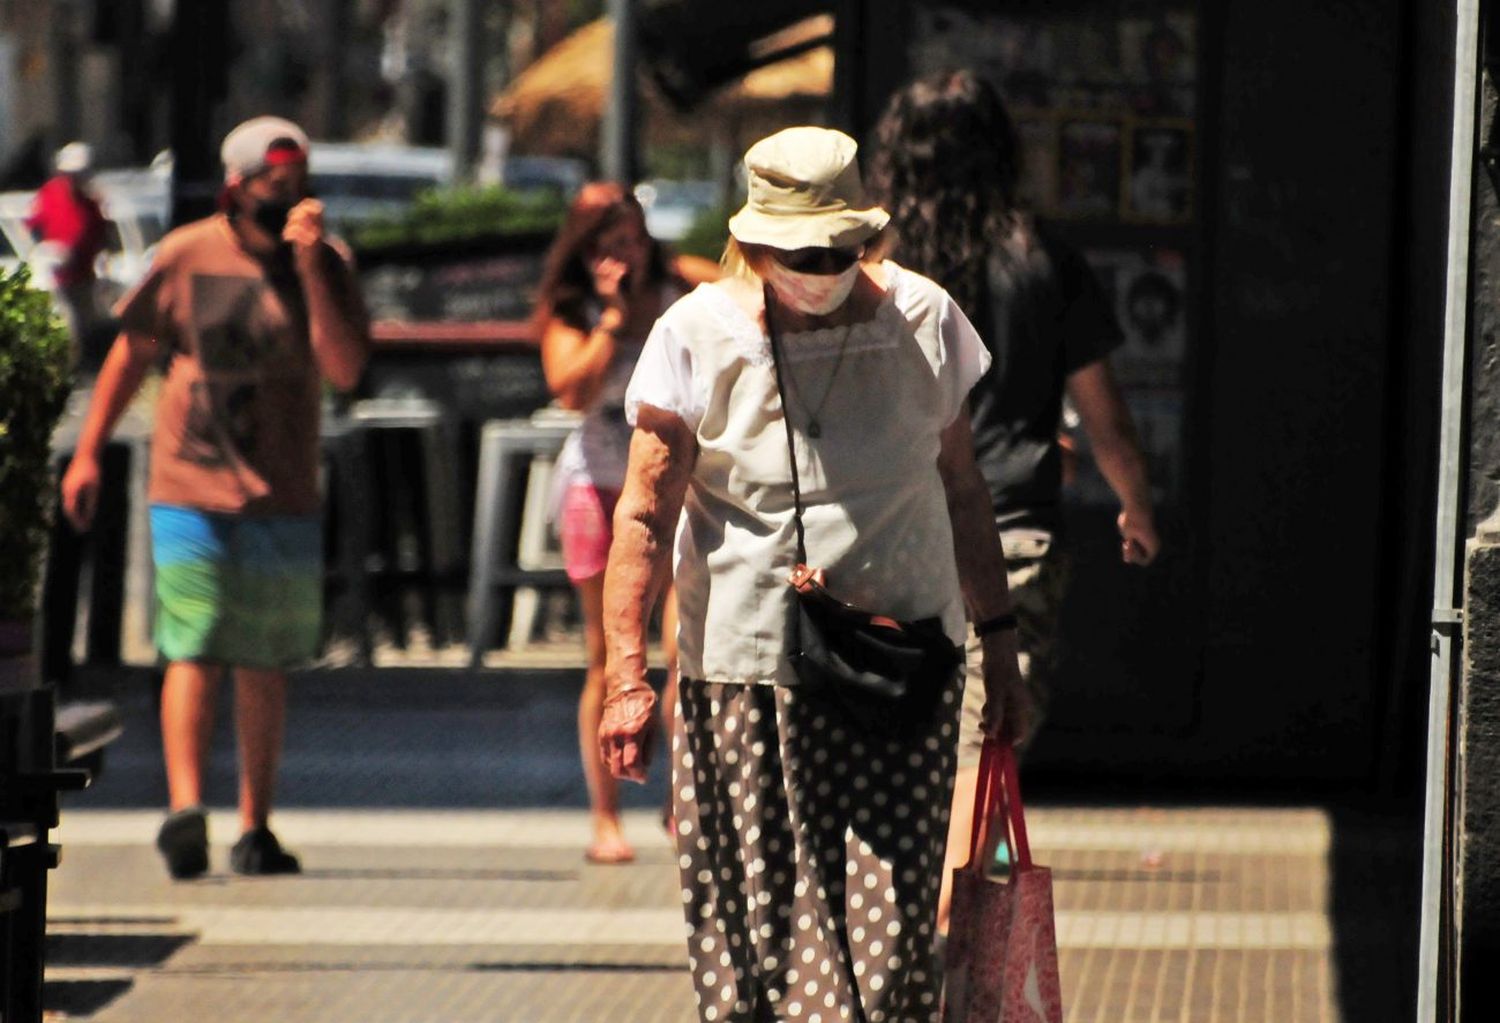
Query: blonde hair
x: 746, y: 260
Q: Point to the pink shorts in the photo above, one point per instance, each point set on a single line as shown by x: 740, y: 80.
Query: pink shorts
x: 586, y: 529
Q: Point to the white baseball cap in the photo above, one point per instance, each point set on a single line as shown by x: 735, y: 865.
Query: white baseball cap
x: 74, y: 158
x: 259, y: 143
x: 805, y: 191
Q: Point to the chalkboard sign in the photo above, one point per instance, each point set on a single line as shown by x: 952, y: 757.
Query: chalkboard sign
x: 472, y: 387
x: 492, y: 278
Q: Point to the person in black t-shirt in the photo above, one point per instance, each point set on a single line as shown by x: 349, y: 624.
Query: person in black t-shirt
x: 946, y: 168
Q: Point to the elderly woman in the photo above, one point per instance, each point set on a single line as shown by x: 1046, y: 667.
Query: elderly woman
x: 810, y: 837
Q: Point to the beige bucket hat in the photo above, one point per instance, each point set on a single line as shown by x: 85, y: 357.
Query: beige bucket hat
x: 805, y: 191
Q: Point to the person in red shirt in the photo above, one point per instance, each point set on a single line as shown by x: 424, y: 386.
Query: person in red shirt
x: 67, y: 218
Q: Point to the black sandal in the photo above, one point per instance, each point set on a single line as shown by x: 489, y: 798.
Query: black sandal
x: 183, y: 841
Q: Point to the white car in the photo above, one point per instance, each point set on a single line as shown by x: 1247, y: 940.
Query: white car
x: 356, y: 181
x: 672, y: 207
x: 360, y: 181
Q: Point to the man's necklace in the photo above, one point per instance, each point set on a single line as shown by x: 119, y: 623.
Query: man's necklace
x: 814, y: 426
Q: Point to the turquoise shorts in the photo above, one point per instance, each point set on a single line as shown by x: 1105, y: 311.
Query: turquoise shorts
x: 234, y: 590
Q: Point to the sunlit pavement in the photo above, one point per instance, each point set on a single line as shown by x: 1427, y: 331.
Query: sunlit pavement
x: 439, y: 818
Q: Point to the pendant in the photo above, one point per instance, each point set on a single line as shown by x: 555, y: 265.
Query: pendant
x: 814, y: 429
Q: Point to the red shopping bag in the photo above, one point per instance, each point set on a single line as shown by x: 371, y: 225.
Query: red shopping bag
x: 1002, y: 942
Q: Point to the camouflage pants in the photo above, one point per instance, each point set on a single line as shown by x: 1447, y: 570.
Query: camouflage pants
x: 1037, y: 572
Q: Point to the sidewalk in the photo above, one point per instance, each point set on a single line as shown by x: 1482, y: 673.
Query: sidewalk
x: 440, y: 822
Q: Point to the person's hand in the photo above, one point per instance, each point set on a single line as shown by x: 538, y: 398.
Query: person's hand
x: 80, y: 491
x: 304, y: 229
x: 627, y: 729
x: 1139, y: 543
x: 609, y: 281
x: 1009, y: 708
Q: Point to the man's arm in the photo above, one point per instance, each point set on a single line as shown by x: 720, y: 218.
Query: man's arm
x: 1008, y: 710
x: 662, y: 453
x: 120, y: 377
x: 338, y: 325
x: 1111, y: 432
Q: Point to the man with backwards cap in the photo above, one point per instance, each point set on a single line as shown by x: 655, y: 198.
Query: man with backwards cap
x: 254, y: 310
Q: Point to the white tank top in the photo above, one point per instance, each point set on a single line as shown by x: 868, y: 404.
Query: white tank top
x: 597, y: 451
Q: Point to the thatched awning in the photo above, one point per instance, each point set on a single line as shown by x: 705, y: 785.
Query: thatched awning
x: 556, y: 105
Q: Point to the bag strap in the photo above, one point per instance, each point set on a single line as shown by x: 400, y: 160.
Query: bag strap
x: 786, y: 419
x: 1014, y: 808
x: 998, y: 813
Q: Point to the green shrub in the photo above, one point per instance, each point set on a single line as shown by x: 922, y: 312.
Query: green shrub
x: 459, y: 214
x: 708, y: 234
x: 34, y: 383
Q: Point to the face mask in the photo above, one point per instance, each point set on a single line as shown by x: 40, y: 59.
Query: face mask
x: 271, y: 215
x: 814, y: 294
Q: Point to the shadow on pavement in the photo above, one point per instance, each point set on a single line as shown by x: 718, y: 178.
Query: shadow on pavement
x: 65, y: 999
x: 1376, y: 907
x: 393, y: 738
x: 113, y: 950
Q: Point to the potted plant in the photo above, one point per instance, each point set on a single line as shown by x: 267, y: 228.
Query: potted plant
x: 34, y: 383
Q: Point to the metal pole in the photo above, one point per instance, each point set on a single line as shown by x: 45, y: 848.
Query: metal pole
x: 617, y: 155
x: 198, y: 58
x: 1432, y: 980
x: 465, y: 86
x: 62, y: 49
x: 340, y: 25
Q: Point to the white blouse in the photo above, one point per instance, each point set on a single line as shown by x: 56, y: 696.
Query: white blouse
x: 874, y: 507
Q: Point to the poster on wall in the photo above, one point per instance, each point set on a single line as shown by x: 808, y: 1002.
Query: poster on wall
x: 1158, y: 57
x: 1160, y: 173
x: 1148, y: 292
x: 1104, y: 105
x: 1088, y: 169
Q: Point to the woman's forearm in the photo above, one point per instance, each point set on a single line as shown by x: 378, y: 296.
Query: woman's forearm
x: 976, y: 546
x: 976, y: 542
x: 661, y: 461
x: 575, y: 363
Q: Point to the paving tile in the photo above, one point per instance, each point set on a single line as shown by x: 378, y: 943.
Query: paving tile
x: 442, y: 827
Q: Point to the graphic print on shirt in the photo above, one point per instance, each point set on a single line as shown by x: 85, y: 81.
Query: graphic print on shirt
x: 238, y: 337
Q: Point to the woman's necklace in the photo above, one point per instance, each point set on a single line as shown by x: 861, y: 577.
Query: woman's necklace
x: 814, y: 426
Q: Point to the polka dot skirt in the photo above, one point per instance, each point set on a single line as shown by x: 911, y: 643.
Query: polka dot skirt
x: 811, y: 856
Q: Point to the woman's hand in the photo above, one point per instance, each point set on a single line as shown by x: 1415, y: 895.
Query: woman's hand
x: 628, y: 730
x: 609, y: 281
x: 1009, y: 708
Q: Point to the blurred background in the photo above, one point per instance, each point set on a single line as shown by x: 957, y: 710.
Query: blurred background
x: 1264, y: 208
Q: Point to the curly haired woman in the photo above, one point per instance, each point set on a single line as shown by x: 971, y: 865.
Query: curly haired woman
x: 947, y: 167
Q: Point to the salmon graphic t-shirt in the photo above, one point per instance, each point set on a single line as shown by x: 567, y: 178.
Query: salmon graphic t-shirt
x: 238, y: 418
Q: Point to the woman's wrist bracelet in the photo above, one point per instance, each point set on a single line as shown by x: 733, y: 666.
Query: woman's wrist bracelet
x: 995, y: 624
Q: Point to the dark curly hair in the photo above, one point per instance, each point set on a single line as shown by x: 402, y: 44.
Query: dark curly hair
x: 946, y: 167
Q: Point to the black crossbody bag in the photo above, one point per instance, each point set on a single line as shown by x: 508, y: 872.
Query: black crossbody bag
x: 888, y: 675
